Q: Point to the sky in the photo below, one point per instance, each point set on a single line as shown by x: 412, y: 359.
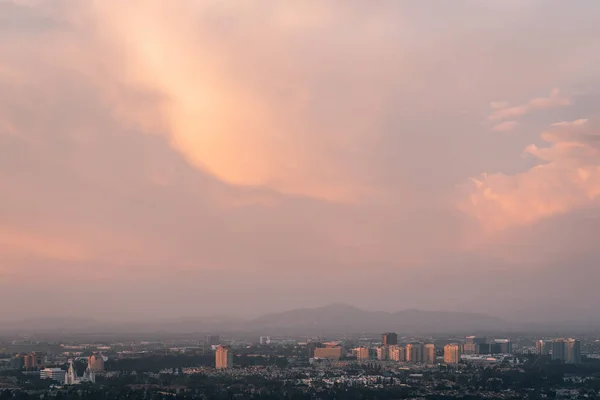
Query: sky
x: 220, y: 157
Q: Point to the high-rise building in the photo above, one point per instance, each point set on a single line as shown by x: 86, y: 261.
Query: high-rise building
x: 566, y: 350
x: 34, y: 360
x: 212, y: 340
x: 572, y: 351
x: 362, y: 353
x: 429, y: 353
x: 264, y: 340
x: 397, y: 353
x: 504, y: 346
x: 311, y: 346
x: 383, y: 353
x: 28, y: 361
x: 331, y: 353
x: 223, y: 357
x: 475, y: 345
x: 558, y: 349
x: 474, y: 340
x: 452, y: 353
x: 96, y: 362
x: 17, y: 362
x: 470, y: 348
x: 389, y: 339
x: 414, y: 352
x: 543, y: 347
x: 484, y: 348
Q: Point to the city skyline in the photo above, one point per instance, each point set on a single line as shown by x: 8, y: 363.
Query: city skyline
x: 240, y: 159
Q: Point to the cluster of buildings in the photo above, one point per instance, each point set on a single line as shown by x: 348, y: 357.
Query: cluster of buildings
x: 414, y: 352
x: 389, y: 350
x: 471, y: 348
x: 69, y: 377
x: 475, y: 346
x: 565, y: 350
x: 30, y: 361
x: 480, y: 345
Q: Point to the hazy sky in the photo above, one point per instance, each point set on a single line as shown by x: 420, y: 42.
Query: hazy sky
x: 180, y: 158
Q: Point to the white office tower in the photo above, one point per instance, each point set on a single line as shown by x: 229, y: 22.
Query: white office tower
x: 264, y: 340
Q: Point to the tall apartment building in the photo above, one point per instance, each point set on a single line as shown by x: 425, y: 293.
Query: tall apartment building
x: 34, y: 360
x: 397, y: 353
x: 470, y: 348
x: 223, y: 357
x: 475, y: 345
x: 572, y: 351
x: 566, y: 350
x: 383, y: 353
x: 543, y: 347
x: 17, y: 362
x: 362, y: 353
x: 452, y: 353
x: 503, y: 346
x: 475, y: 340
x: 311, y: 346
x: 558, y: 349
x: 429, y: 353
x: 389, y: 339
x: 96, y: 363
x: 414, y: 352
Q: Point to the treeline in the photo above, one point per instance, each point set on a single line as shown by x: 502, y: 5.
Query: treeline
x: 157, y: 363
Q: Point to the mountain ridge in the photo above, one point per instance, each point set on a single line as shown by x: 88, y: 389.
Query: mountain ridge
x: 346, y: 318
x: 338, y: 318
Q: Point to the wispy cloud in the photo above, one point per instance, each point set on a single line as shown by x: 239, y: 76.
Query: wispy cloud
x: 503, y: 110
x: 505, y: 126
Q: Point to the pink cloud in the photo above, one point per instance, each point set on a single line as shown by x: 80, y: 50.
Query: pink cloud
x: 505, y: 126
x: 566, y: 178
x: 502, y: 110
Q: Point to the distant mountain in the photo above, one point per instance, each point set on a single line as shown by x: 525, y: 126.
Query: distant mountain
x: 335, y: 318
x: 45, y: 324
x: 345, y: 318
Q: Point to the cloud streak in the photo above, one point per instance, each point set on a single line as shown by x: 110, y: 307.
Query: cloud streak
x: 505, y: 126
x: 502, y: 110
